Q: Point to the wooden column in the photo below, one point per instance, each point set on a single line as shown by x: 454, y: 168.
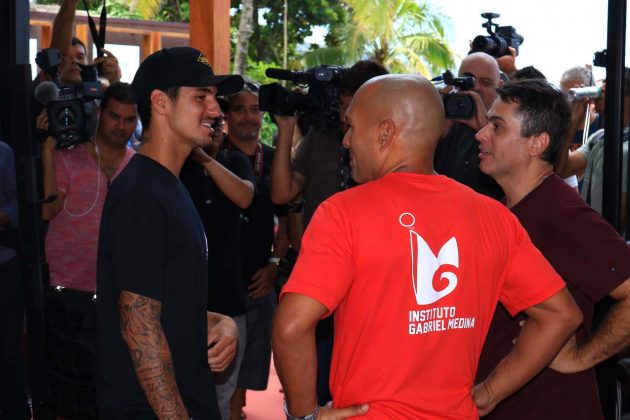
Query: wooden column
x: 151, y: 43
x: 46, y: 36
x: 210, y: 31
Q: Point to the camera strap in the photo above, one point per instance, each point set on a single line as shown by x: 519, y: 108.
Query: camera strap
x: 98, y: 36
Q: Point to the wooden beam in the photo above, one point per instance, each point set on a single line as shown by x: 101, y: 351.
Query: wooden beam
x: 210, y: 31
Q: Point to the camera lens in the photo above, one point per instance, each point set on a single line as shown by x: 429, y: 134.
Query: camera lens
x: 66, y: 117
x: 458, y: 106
x: 483, y: 43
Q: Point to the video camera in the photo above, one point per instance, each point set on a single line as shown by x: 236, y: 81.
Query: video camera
x: 497, y: 42
x: 320, y: 105
x: 456, y: 105
x: 69, y: 107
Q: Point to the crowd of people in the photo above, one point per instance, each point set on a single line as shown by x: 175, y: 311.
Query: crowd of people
x: 447, y: 268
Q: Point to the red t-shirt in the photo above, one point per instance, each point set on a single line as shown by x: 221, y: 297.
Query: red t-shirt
x: 414, y: 266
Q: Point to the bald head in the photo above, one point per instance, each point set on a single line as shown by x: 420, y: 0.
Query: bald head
x: 400, y: 117
x: 411, y: 102
x: 485, y: 69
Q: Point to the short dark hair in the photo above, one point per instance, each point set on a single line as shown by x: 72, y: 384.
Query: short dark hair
x: 77, y: 41
x: 529, y: 72
x: 358, y: 74
x: 542, y: 108
x: 120, y: 92
x: 144, y: 106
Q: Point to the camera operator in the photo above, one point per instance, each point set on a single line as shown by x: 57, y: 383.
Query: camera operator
x: 78, y: 178
x: 457, y: 152
x: 76, y: 182
x: 319, y: 170
x: 320, y: 157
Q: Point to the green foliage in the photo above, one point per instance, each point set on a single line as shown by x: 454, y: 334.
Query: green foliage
x: 405, y: 35
x: 266, y: 43
x: 256, y: 71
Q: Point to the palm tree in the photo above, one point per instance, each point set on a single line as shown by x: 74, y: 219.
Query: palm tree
x: 146, y: 8
x: 403, y: 35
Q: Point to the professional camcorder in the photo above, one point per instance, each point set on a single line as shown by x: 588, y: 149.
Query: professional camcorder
x: 499, y: 39
x: 456, y: 105
x: 320, y: 105
x: 69, y: 107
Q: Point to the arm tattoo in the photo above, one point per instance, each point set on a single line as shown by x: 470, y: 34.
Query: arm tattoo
x: 141, y: 329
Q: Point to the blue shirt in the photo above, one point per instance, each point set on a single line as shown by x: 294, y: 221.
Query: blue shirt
x: 8, y: 194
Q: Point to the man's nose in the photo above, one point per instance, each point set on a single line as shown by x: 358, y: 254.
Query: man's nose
x: 482, y: 134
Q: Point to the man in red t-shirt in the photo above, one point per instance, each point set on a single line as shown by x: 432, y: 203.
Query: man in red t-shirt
x: 413, y: 263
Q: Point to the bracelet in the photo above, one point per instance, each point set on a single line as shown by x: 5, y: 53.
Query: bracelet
x: 275, y: 261
x: 296, y: 206
x: 310, y: 416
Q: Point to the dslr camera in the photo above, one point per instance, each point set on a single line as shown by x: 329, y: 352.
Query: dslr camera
x: 69, y: 107
x: 456, y: 105
x: 599, y: 58
x: 498, y: 40
x: 320, y: 105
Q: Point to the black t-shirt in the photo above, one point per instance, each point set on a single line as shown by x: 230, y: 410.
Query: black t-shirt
x: 222, y: 222
x: 457, y: 157
x: 258, y: 219
x: 152, y: 243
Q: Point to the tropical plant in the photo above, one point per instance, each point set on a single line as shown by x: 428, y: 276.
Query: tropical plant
x: 404, y: 35
x: 267, y: 41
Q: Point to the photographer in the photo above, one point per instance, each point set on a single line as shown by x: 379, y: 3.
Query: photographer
x: 319, y: 170
x: 456, y: 153
x: 74, y: 52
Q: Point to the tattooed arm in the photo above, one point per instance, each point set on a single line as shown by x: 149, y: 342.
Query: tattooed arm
x: 142, y: 331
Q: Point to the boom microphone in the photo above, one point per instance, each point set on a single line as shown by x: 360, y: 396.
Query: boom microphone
x: 46, y: 92
x: 280, y: 74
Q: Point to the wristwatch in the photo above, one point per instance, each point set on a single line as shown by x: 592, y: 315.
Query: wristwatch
x: 275, y: 261
x: 310, y: 416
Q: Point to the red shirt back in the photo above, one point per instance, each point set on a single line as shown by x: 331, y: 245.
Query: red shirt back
x: 414, y: 266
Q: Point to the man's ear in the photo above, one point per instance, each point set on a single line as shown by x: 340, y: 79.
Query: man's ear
x: 386, y: 130
x: 158, y: 101
x: 539, y: 144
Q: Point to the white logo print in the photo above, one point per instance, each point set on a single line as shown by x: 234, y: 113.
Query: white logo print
x: 425, y: 265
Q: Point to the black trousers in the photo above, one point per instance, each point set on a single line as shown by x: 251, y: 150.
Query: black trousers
x: 13, y: 403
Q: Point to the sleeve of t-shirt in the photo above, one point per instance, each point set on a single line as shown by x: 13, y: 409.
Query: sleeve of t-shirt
x: 529, y: 279
x: 325, y: 268
x: 600, y: 257
x: 137, y: 239
x: 61, y: 172
x: 301, y: 159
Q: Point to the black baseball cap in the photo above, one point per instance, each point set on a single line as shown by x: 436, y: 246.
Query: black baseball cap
x: 180, y: 66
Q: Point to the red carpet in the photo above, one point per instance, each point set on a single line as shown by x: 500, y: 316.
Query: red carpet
x: 266, y: 405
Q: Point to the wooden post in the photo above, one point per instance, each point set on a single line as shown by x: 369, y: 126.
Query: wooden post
x: 81, y: 32
x: 210, y: 31
x: 151, y: 43
x: 46, y: 36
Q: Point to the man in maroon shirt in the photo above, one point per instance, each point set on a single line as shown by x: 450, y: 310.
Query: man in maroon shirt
x: 526, y: 125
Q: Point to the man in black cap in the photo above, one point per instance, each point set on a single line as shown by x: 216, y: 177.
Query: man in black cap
x: 155, y: 336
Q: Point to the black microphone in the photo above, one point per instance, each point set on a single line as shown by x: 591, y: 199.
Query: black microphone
x: 46, y: 92
x: 280, y: 74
